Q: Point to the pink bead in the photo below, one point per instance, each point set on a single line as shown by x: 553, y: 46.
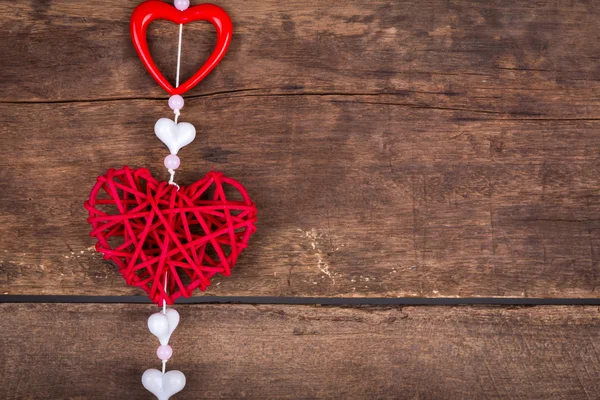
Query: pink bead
x: 172, y: 161
x: 182, y: 4
x: 176, y: 102
x: 164, y: 352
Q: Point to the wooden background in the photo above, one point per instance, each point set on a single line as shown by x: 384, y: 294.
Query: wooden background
x: 421, y: 148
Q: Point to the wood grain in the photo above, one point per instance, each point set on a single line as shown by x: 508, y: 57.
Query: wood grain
x: 421, y: 148
x: 298, y: 352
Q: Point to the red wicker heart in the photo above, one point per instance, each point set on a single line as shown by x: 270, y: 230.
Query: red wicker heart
x: 153, y: 231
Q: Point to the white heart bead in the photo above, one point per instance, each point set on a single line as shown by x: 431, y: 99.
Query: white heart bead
x: 162, y: 385
x: 174, y: 136
x: 162, y: 325
x: 158, y: 324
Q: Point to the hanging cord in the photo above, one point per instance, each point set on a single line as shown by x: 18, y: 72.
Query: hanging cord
x: 164, y: 311
x: 172, y: 171
x: 172, y: 179
x: 178, y: 63
x: 164, y: 300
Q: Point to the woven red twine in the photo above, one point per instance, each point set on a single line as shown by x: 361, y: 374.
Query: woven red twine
x: 153, y: 231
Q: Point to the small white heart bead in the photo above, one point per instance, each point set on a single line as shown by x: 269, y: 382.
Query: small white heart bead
x: 162, y: 325
x: 174, y: 136
x: 162, y: 385
x: 158, y: 324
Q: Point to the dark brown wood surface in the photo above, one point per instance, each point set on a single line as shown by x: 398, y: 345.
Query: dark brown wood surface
x: 286, y: 352
x: 418, y: 148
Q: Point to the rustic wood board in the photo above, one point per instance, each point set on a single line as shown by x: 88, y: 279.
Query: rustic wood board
x: 298, y: 352
x: 418, y: 148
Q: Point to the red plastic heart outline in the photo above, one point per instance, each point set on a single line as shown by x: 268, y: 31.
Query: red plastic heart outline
x: 152, y: 10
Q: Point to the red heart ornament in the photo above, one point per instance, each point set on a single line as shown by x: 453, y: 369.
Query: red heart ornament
x: 152, y: 10
x: 153, y: 231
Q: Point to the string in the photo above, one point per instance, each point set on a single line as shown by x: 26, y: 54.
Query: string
x: 172, y: 179
x: 164, y: 363
x: 164, y: 300
x: 178, y: 65
x: 179, y: 55
x: 171, y: 171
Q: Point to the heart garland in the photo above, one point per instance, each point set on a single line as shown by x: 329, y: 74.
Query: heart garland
x: 168, y: 239
x: 155, y: 232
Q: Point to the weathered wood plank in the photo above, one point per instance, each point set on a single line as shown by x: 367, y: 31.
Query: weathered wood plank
x: 379, y: 201
x: 526, y: 59
x: 422, y: 148
x: 287, y: 352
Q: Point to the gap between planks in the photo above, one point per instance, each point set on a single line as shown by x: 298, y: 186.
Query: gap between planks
x: 343, y: 301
